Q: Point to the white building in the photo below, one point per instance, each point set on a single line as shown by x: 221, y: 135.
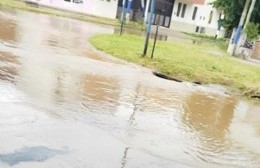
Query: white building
x: 195, y: 16
x: 101, y: 8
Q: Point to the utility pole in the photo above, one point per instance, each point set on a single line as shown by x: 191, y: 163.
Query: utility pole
x: 239, y: 28
x: 250, y: 12
x: 241, y: 23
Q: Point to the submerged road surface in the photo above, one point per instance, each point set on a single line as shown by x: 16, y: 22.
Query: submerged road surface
x: 65, y: 105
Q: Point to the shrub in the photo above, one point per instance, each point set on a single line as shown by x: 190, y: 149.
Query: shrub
x: 252, y: 31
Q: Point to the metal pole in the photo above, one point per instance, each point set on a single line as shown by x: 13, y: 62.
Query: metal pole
x: 129, y: 5
x: 142, y: 8
x: 146, y: 44
x: 122, y: 17
x: 155, y: 39
x: 149, y: 26
x: 250, y: 12
x: 156, y: 34
x: 146, y: 10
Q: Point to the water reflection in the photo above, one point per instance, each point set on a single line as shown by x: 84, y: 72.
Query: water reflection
x: 32, y: 154
x: 7, y: 28
x: 99, y: 93
x: 162, y: 123
x: 8, y: 36
x: 210, y: 117
x: 163, y: 34
x: 8, y: 66
x: 163, y: 99
x: 245, y: 127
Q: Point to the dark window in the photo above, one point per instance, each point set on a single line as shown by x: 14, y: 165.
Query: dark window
x: 210, y: 16
x: 183, y: 10
x: 220, y: 15
x: 194, y: 13
x: 78, y: 1
x: 202, y: 30
x: 197, y: 29
x: 179, y: 9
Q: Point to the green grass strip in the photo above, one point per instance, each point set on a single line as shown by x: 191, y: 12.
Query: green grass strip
x: 186, y: 61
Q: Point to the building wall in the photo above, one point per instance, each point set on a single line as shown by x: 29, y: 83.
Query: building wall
x: 102, y: 8
x: 187, y: 24
x: 189, y: 28
x: 105, y: 8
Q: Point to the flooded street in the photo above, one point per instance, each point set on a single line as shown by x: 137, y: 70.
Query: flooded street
x: 65, y: 105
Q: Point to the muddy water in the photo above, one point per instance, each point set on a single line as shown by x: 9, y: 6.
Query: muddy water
x: 64, y: 104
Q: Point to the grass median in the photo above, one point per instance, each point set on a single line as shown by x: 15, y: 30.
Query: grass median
x: 205, y: 62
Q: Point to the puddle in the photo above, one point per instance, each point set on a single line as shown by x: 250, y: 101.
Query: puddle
x: 111, y: 114
x: 30, y: 154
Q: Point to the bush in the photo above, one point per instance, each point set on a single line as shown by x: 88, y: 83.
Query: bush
x: 252, y: 31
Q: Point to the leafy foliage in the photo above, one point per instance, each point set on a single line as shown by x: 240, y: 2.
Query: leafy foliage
x: 252, y: 31
x: 233, y: 10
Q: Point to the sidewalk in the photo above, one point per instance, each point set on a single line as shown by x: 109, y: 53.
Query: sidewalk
x: 255, y: 61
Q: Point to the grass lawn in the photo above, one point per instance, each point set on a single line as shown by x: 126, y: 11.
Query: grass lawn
x: 16, y: 4
x: 186, y: 61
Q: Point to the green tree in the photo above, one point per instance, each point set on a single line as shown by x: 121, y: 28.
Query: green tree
x: 233, y: 10
x: 252, y: 31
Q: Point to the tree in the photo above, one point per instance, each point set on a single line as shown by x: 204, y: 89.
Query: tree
x: 252, y: 31
x: 233, y: 11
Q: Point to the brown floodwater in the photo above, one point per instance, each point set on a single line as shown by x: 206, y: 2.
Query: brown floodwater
x: 64, y: 104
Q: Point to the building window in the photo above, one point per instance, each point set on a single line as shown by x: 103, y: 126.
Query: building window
x: 202, y: 30
x: 194, y: 13
x: 179, y: 9
x: 183, y: 10
x: 220, y: 16
x: 75, y: 1
x: 210, y: 17
x: 78, y: 1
